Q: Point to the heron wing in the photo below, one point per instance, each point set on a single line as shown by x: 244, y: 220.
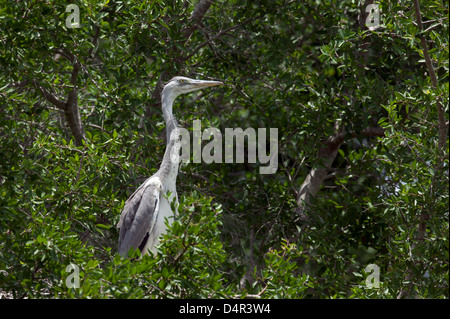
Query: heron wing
x: 139, y: 215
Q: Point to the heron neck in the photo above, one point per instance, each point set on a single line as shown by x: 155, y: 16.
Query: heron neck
x: 171, y: 123
x: 169, y: 165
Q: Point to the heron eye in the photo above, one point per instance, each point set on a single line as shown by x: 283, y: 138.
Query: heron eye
x: 181, y: 81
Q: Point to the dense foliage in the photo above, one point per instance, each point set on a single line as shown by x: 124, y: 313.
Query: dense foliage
x: 308, y: 68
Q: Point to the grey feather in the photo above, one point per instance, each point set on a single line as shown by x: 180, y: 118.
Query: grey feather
x: 138, y: 216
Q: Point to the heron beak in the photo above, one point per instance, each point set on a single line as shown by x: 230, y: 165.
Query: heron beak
x: 203, y: 84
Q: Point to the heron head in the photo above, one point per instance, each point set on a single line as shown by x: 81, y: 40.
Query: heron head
x: 180, y: 85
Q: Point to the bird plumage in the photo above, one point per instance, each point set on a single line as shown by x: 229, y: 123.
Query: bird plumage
x: 142, y: 221
x: 139, y: 215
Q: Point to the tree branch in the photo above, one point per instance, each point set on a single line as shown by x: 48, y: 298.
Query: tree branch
x: 70, y: 107
x: 49, y: 96
x: 434, y: 81
x: 197, y: 15
x: 316, y: 176
x: 419, y: 237
x: 73, y: 118
x: 327, y: 154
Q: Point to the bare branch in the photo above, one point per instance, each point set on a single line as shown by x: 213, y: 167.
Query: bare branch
x: 197, y: 15
x: 49, y: 96
x: 327, y: 154
x: 70, y: 107
x: 316, y: 176
x: 73, y: 118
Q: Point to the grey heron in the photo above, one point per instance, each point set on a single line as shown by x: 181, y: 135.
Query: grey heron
x: 142, y: 221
